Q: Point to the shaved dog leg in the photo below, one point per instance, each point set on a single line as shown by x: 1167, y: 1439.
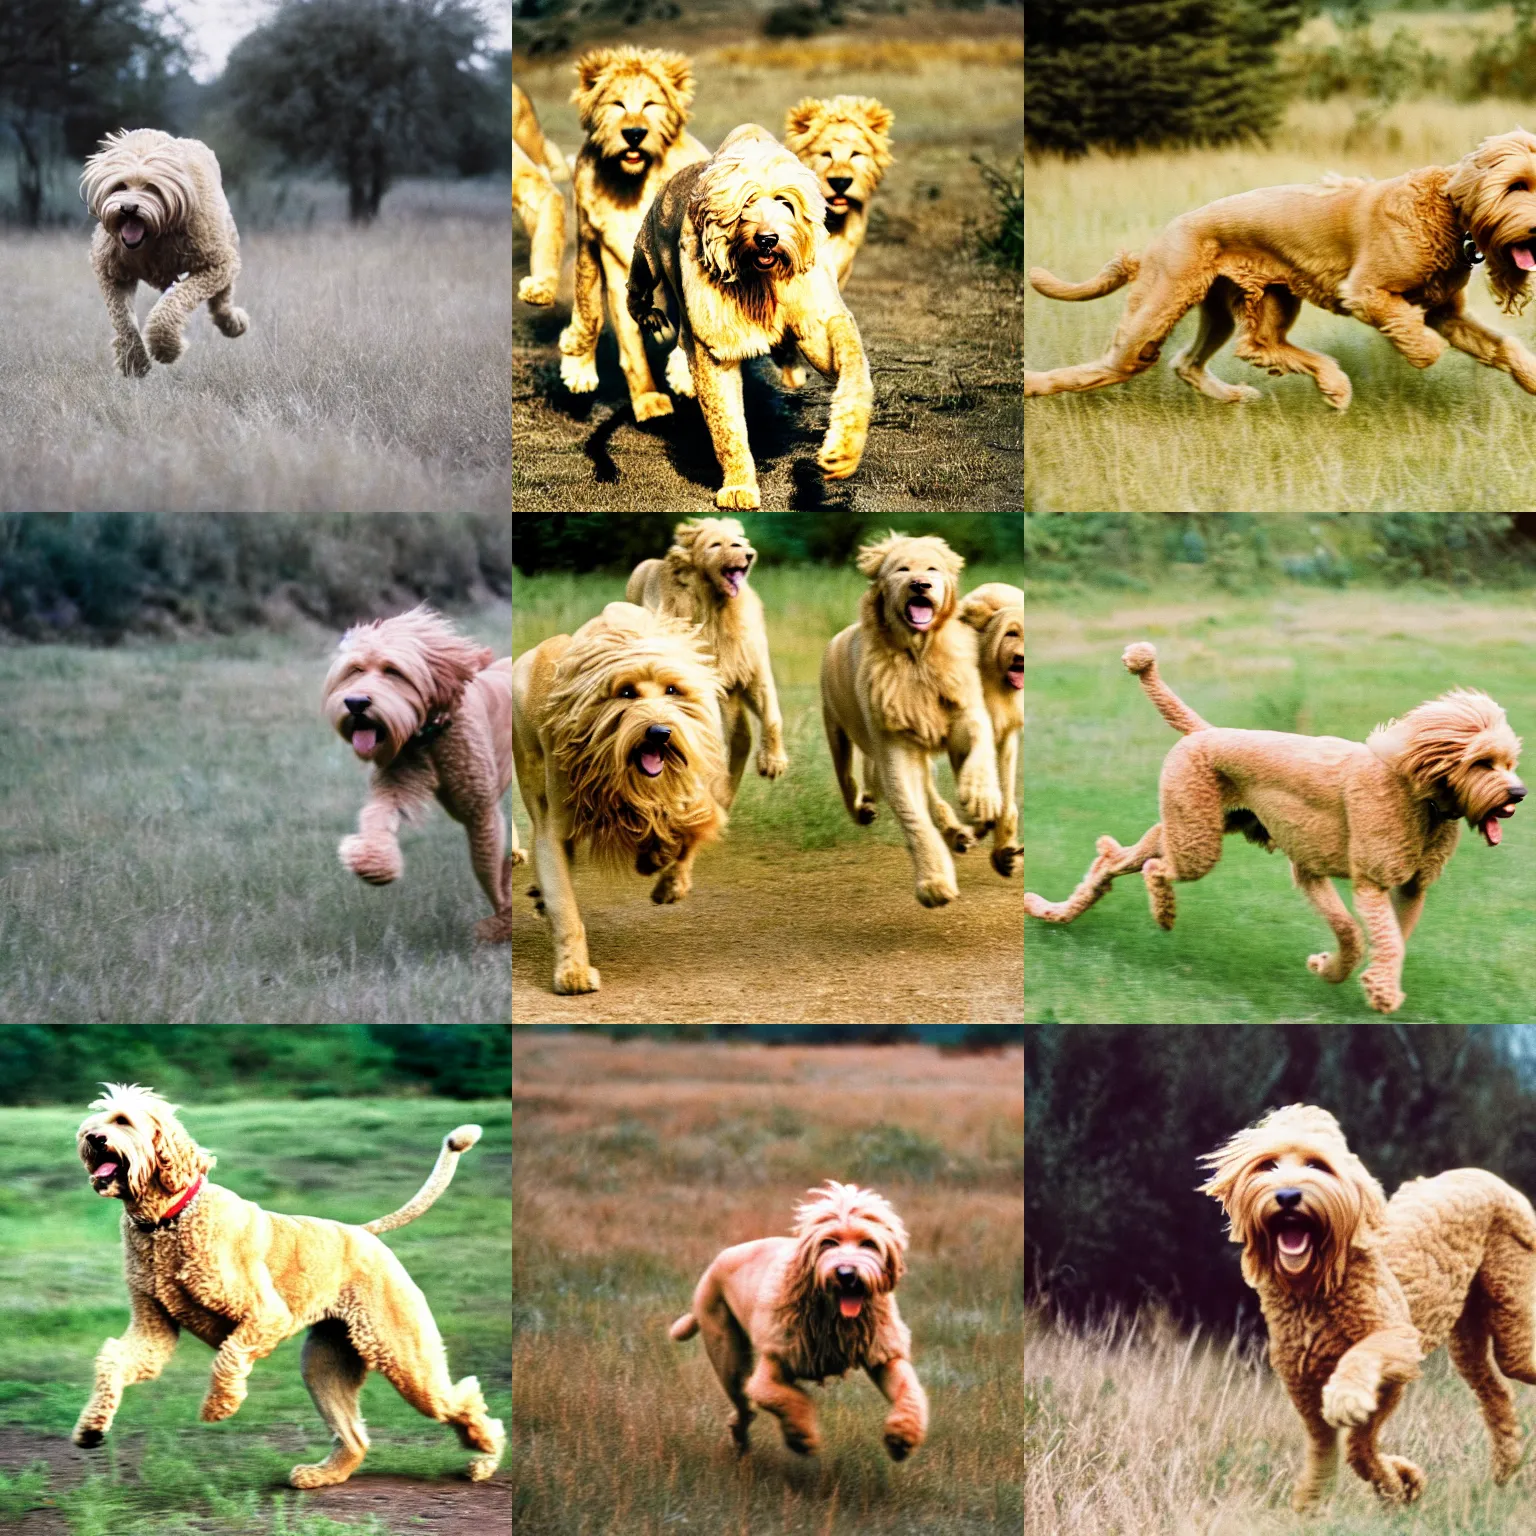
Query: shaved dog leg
x: 1320, y: 892
x: 1382, y: 978
x: 773, y: 1391
x: 907, y: 1423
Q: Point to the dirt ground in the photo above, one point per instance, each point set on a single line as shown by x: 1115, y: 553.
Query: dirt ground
x: 832, y: 937
x: 942, y: 331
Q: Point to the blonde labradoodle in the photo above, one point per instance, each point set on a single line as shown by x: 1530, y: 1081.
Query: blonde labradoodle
x: 819, y: 1303
x: 242, y: 1280
x: 1384, y: 814
x: 902, y: 685
x: 704, y: 578
x: 1396, y: 254
x: 739, y: 247
x: 1357, y: 1290
x: 634, y: 108
x: 536, y: 167
x: 164, y: 221
x: 616, y: 733
x: 432, y: 712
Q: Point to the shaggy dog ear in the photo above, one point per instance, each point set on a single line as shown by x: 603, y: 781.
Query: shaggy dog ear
x: 178, y: 1159
x: 872, y: 556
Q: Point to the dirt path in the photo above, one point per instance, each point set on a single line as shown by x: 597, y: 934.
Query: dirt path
x: 770, y: 937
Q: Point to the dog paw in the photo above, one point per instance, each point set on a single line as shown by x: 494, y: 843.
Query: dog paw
x: 516, y: 857
x: 981, y: 802
x: 679, y: 374
x: 165, y: 345
x: 579, y: 374
x: 573, y: 977
x: 1327, y: 966
x: 221, y: 1405
x: 132, y: 359
x: 865, y: 810
x: 233, y: 322
x: 901, y: 1441
x: 771, y: 764
x: 1347, y: 1403
x: 90, y: 1438
x: 744, y: 497
x: 1007, y: 861
x: 960, y: 839
x: 537, y: 290
x: 648, y: 407
x: 806, y: 1443
x: 672, y: 886
x: 1403, y: 1483
x: 496, y: 929
x: 377, y: 863
x: 315, y: 1475
x: 936, y: 893
x: 1382, y: 992
x: 838, y: 459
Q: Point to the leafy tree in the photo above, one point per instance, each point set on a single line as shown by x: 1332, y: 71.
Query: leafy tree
x: 368, y: 89
x: 1124, y: 73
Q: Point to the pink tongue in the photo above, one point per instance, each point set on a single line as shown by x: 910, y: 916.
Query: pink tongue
x: 1523, y: 258
x: 920, y: 613
x: 363, y: 742
x: 850, y: 1306
x: 734, y: 578
x: 1493, y: 831
x: 131, y: 229
x: 650, y: 762
x: 105, y: 1171
x: 1016, y: 679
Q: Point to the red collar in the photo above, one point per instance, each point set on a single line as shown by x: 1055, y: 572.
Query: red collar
x: 175, y: 1210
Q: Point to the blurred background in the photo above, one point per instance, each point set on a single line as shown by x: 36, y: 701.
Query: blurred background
x: 331, y: 1122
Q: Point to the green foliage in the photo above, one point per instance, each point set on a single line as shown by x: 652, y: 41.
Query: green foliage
x: 1505, y: 66
x: 101, y: 575
x: 1357, y: 65
x: 1003, y: 243
x: 1124, y: 73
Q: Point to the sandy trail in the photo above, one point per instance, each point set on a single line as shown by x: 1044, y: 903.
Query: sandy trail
x: 774, y: 937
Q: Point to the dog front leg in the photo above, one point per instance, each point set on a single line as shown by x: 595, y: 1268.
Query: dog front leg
x: 578, y: 341
x: 645, y: 400
x: 834, y: 350
x: 1382, y: 978
x: 954, y: 831
x: 163, y: 327
x: 1399, y: 321
x: 1352, y: 1394
x: 1490, y: 347
x: 573, y: 973
x: 1318, y: 889
x: 718, y: 386
x: 763, y: 701
x: 372, y: 853
x: 906, y: 1425
x: 1007, y: 855
x: 773, y: 1390
x: 256, y: 1336
x: 1395, y: 1479
x: 1322, y: 1463
x: 127, y: 342
x: 140, y: 1355
x: 976, y: 784
x: 903, y: 776
x: 488, y: 854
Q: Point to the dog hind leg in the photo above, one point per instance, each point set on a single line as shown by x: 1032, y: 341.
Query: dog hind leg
x: 334, y: 1373
x: 493, y: 869
x: 1395, y: 1479
x: 1110, y: 861
x: 1382, y: 978
x: 1320, y: 892
x: 1217, y: 323
x: 1468, y: 1348
x: 1267, y: 317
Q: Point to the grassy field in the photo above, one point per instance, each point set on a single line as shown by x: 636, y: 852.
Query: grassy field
x: 62, y: 1295
x: 1445, y: 438
x: 637, y: 1164
x: 1293, y: 659
x: 169, y: 815
x: 373, y: 378
x: 789, y: 844
x: 942, y: 332
x: 1144, y: 1431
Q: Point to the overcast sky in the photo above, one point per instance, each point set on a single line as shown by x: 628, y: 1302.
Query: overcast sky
x: 217, y: 25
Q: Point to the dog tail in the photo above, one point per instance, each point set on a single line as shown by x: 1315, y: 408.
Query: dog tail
x: 1116, y: 274
x: 1141, y: 659
x: 685, y: 1327
x: 454, y: 1143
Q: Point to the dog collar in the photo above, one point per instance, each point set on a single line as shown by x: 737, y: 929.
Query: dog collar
x: 436, y: 724
x: 1470, y: 253
x: 174, y: 1212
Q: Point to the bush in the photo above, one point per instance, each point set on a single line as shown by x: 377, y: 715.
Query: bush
x: 792, y: 21
x: 1004, y: 242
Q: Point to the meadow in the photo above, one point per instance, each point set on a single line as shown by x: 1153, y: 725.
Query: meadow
x: 160, y: 1471
x: 829, y: 901
x: 1288, y: 659
x: 942, y: 331
x: 1450, y: 437
x: 169, y: 814
x: 373, y: 377
x: 637, y: 1163
x: 1141, y: 1429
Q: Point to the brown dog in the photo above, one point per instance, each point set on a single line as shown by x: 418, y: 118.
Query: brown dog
x: 1396, y: 254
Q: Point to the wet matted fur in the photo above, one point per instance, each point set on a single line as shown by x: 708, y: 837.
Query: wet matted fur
x: 902, y: 685
x: 431, y: 711
x: 738, y: 246
x: 1384, y: 814
x: 1396, y: 254
x: 537, y: 201
x: 242, y: 1280
x: 634, y: 105
x: 704, y: 578
x: 616, y: 732
x: 1357, y: 1289
x: 163, y: 221
x: 819, y: 1303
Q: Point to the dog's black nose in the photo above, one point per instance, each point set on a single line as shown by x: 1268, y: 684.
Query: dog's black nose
x: 129, y: 209
x: 845, y: 1272
x: 1287, y: 1199
x: 765, y: 241
x: 1517, y: 791
x: 658, y: 735
x: 357, y: 703
x: 920, y: 585
x: 839, y: 183
x: 634, y: 137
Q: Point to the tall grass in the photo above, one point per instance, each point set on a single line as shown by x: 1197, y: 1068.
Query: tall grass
x: 1448, y: 438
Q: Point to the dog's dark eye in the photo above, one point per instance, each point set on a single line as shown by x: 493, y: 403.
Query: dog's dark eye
x: 1483, y: 762
x: 1319, y: 1164
x: 390, y: 671
x: 671, y: 688
x: 869, y: 1242
x: 900, y: 569
x: 1518, y: 186
x: 119, y: 1120
x: 1268, y: 1165
x: 828, y: 1242
x: 628, y: 692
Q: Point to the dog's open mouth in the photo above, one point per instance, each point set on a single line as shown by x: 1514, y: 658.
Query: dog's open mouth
x: 850, y: 1297
x: 132, y: 233
x: 1492, y: 832
x: 764, y: 261
x: 650, y: 759
x: 838, y: 203
x: 1523, y: 257
x: 1015, y: 672
x: 632, y: 159
x: 1293, y: 1243
x: 106, y: 1167
x: 920, y: 614
x: 735, y: 577
x: 364, y: 739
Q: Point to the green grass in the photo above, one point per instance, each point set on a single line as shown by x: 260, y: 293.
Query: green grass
x: 62, y: 1294
x: 804, y: 606
x: 1290, y: 660
x: 1452, y: 437
x: 169, y: 815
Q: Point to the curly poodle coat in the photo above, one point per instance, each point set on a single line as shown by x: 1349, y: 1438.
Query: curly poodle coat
x: 1356, y: 1290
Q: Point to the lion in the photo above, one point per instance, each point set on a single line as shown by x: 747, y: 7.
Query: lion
x: 634, y: 105
x: 739, y: 246
x: 704, y: 579
x: 901, y: 685
x: 536, y: 167
x: 616, y: 739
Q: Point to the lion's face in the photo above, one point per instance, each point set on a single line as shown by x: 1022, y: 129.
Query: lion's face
x: 133, y: 1145
x: 138, y: 185
x: 916, y: 580
x: 845, y: 145
x: 717, y: 547
x: 633, y: 103
x: 854, y: 1244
